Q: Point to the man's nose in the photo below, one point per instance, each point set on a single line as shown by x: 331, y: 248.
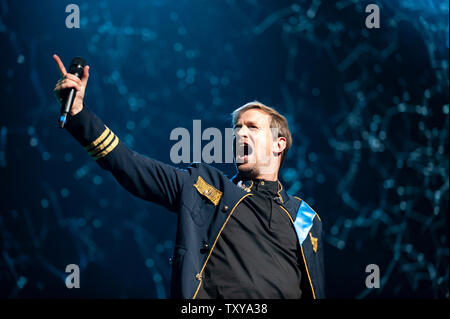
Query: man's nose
x: 242, y: 132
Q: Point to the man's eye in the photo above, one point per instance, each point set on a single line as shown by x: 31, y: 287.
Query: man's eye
x: 253, y: 127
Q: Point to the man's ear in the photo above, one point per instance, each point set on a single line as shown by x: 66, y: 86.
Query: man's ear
x: 280, y: 145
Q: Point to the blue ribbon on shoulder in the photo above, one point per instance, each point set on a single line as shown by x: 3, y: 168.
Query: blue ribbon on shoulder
x: 303, y: 221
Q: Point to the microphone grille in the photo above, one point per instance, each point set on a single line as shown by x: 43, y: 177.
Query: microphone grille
x: 77, y: 65
x: 78, y: 61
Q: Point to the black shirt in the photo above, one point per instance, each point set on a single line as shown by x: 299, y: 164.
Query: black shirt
x: 257, y: 254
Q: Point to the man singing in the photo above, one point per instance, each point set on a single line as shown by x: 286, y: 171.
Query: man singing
x: 243, y: 237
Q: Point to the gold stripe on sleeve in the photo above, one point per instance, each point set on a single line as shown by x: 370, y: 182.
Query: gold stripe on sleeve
x: 108, y: 149
x: 102, y: 145
x: 98, y: 139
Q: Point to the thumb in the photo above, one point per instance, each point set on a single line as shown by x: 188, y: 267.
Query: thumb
x: 85, y: 77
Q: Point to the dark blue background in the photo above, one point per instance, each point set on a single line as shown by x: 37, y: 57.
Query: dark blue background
x: 368, y: 109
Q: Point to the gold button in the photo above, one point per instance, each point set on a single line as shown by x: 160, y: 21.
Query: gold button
x: 262, y: 183
x: 198, y: 277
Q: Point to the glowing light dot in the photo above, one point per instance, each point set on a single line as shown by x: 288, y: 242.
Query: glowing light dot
x: 157, y: 277
x: 44, y: 203
x: 97, y: 180
x: 20, y: 59
x: 64, y: 192
x: 149, y: 263
x: 21, y: 282
x: 33, y: 141
x: 97, y: 223
x: 46, y: 156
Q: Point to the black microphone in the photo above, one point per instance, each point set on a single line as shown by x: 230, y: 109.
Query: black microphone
x: 76, y: 68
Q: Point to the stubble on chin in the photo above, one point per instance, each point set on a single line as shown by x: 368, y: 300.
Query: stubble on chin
x: 247, y: 171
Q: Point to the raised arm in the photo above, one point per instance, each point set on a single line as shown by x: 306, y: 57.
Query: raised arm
x: 142, y: 176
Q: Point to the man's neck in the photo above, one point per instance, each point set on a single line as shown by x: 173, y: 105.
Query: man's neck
x: 267, y: 177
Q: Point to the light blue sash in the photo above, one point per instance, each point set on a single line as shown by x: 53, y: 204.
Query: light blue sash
x: 303, y: 221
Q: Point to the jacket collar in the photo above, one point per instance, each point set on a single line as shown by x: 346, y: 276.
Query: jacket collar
x: 247, y: 184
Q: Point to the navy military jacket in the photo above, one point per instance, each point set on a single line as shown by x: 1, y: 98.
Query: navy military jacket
x: 204, y: 199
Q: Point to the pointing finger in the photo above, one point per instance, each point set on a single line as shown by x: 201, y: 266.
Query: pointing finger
x: 61, y: 67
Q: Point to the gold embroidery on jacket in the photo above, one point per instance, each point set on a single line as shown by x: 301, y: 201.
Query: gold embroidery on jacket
x: 208, y: 191
x: 314, y: 242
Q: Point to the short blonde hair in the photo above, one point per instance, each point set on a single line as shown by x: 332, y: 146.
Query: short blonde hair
x: 278, y: 121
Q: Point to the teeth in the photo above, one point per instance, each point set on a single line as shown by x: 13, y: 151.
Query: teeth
x: 243, y: 150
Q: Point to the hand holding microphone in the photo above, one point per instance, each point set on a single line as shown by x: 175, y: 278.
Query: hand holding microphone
x: 70, y: 89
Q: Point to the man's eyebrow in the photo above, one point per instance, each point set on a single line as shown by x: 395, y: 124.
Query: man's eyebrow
x: 252, y: 123
x: 247, y: 123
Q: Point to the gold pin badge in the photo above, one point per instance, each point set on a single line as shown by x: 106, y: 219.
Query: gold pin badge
x: 314, y: 242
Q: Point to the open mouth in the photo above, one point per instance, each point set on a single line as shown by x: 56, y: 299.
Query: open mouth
x: 243, y: 150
